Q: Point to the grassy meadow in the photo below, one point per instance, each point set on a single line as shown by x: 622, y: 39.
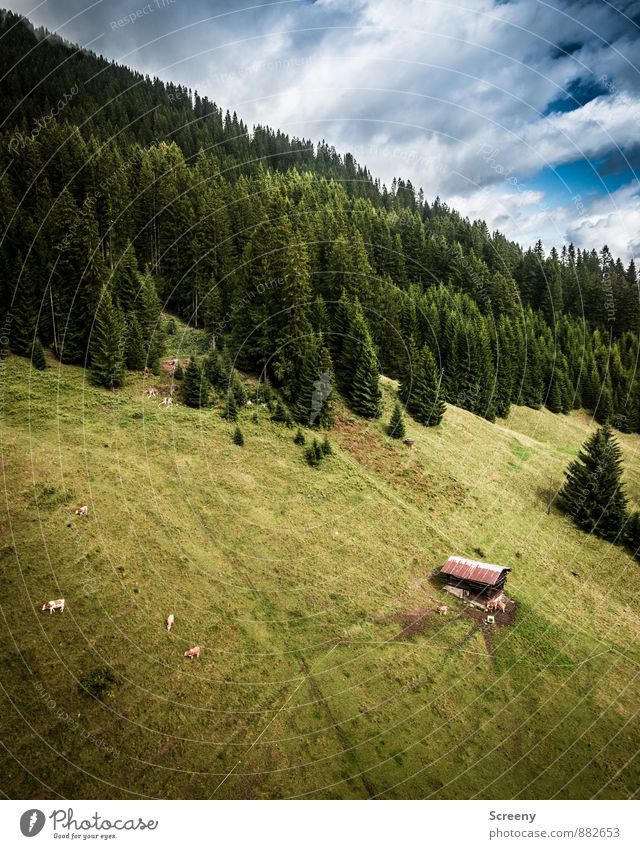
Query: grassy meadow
x: 325, y: 671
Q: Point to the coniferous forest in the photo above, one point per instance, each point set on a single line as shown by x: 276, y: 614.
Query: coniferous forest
x: 139, y: 194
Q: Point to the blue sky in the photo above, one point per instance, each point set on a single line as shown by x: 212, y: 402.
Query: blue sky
x: 524, y: 113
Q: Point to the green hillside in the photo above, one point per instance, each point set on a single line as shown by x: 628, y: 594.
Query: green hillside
x: 325, y: 671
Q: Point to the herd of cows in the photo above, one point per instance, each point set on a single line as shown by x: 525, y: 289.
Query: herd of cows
x: 58, y: 604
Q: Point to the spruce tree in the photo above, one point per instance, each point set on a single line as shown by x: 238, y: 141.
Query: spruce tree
x: 178, y: 372
x: 359, y: 367
x: 194, y: 388
x: 134, y: 347
x: 107, y: 344
x: 230, y: 411
x: 396, y: 427
x: 593, y: 493
x: 238, y: 437
x: 299, y: 438
x: 425, y: 402
x: 37, y: 357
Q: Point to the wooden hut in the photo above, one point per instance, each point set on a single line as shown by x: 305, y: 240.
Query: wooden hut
x: 473, y: 580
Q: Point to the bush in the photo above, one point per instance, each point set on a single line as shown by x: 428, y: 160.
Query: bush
x: 178, y: 373
x: 299, y: 438
x: 230, y: 411
x: 311, y: 455
x: 97, y: 682
x: 326, y: 447
x: 171, y: 327
x: 238, y: 438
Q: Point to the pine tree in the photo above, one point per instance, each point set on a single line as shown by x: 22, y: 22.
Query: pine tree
x: 325, y: 446
x: 238, y: 437
x: 604, y: 411
x: 425, y: 402
x: 299, y: 438
x: 230, y: 411
x: 107, y: 344
x: 359, y: 367
x: 37, y: 357
x: 134, y: 346
x: 396, y: 427
x: 632, y: 533
x: 593, y: 493
x: 194, y: 389
x: 178, y: 372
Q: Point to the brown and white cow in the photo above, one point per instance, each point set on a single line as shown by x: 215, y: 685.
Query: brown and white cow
x: 54, y: 604
x: 442, y: 609
x: 170, y: 621
x: 152, y: 392
x: 82, y: 511
x: 499, y: 602
x: 194, y: 652
x: 167, y: 402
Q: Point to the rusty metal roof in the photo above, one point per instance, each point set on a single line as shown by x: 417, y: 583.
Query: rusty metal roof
x: 473, y: 570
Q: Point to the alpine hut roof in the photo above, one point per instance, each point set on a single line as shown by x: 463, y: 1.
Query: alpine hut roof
x: 474, y: 570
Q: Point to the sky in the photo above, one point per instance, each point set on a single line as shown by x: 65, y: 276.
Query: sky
x: 525, y: 114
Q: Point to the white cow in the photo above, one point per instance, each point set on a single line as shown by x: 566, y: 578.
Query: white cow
x: 82, y: 511
x: 151, y: 392
x: 55, y: 604
x: 194, y: 652
x: 167, y: 402
x: 170, y: 621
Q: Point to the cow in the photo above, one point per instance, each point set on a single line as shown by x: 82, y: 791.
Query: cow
x: 497, y: 603
x: 249, y: 403
x: 147, y: 373
x: 442, y: 609
x: 172, y: 389
x: 152, y: 392
x: 55, y: 604
x: 194, y: 652
x: 82, y: 511
x: 167, y: 402
x: 170, y: 621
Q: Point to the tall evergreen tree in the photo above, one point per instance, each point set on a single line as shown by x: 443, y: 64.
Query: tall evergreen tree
x: 194, y: 389
x: 107, y: 344
x: 396, y: 427
x: 593, y: 492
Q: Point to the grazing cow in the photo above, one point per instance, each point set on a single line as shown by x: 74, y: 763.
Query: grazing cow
x: 249, y: 403
x: 497, y: 603
x: 151, y: 392
x: 167, y: 402
x: 82, y: 511
x: 442, y: 609
x: 170, y: 621
x: 55, y: 604
x: 147, y: 373
x: 173, y: 388
x: 194, y: 652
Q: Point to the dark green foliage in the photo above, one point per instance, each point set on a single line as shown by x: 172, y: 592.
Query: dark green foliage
x: 311, y: 454
x: 230, y: 410
x: 179, y: 372
x: 195, y: 392
x: 107, y: 344
x: 299, y: 438
x: 98, y: 682
x: 593, y: 493
x: 238, y: 437
x: 37, y: 357
x: 301, y: 265
x: 281, y: 414
x: 396, y: 427
x: 134, y: 344
x: 325, y: 447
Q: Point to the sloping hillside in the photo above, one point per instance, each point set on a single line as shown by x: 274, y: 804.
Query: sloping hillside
x: 325, y: 671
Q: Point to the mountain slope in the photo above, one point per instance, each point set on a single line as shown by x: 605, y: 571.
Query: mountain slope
x: 324, y: 670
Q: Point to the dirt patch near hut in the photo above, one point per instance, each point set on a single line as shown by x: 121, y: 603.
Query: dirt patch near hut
x: 414, y: 622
